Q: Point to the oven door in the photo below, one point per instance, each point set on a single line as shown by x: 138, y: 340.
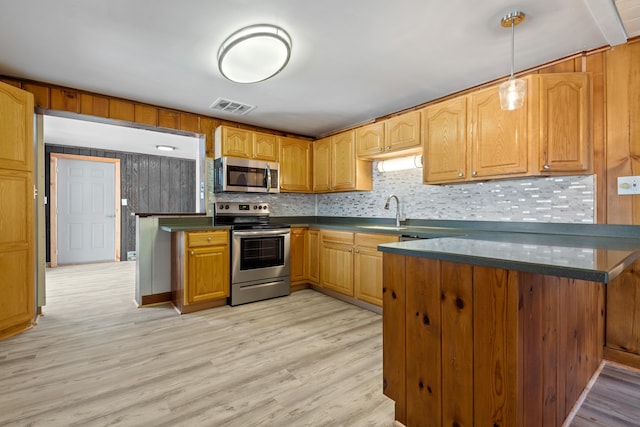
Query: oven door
x: 259, y: 254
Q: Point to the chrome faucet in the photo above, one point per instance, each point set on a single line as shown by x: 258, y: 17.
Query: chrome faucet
x: 386, y: 206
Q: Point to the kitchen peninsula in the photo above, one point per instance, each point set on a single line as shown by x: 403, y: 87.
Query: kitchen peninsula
x: 497, y: 328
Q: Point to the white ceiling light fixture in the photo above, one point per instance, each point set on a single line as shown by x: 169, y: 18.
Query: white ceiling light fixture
x: 400, y: 163
x: 165, y: 147
x: 512, y: 92
x: 255, y: 53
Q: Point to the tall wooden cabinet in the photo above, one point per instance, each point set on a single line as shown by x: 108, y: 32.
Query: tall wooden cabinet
x: 297, y: 255
x: 336, y: 168
x: 17, y: 283
x: 200, y: 270
x: 313, y: 256
x: 296, y: 165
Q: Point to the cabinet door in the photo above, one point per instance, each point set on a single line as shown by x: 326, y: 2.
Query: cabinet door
x: 445, y: 144
x: 343, y: 161
x: 565, y: 140
x: 296, y: 165
x: 499, y: 144
x: 208, y: 273
x: 403, y: 132
x: 336, y: 267
x: 297, y: 254
x: 368, y: 266
x: 370, y: 140
x: 322, y: 165
x: 313, y: 256
x: 233, y: 142
x: 265, y: 147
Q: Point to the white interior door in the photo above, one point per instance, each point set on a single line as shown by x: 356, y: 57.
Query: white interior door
x: 86, y: 211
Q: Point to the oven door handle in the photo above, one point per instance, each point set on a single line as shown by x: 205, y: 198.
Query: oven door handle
x: 261, y: 233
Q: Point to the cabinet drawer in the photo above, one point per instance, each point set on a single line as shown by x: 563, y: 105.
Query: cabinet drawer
x: 372, y: 240
x: 331, y: 236
x: 207, y: 238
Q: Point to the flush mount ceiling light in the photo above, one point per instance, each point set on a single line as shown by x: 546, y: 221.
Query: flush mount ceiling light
x: 165, y: 147
x: 512, y: 91
x: 254, y: 53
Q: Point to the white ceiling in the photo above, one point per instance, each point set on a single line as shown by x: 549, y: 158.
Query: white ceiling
x: 352, y: 61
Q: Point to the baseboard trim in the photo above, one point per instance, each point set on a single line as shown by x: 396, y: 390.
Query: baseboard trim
x: 622, y: 357
x: 155, y: 299
x: 346, y: 298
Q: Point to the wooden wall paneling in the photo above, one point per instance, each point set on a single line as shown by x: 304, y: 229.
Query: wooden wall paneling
x: 495, y: 347
x: 457, y: 344
x: 143, y: 184
x: 174, y: 182
x: 550, y: 311
x: 393, y: 333
x: 595, y: 64
x: 189, y: 122
x: 122, y: 110
x: 188, y: 185
x: 165, y: 184
x: 572, y: 343
x: 65, y: 100
x: 41, y: 94
x: 207, y: 126
x: 133, y: 200
x: 423, y: 351
x: 146, y: 114
x: 155, y: 193
x: 533, y: 368
x: 94, y: 105
x: 619, y: 150
x: 168, y: 119
x: 14, y: 83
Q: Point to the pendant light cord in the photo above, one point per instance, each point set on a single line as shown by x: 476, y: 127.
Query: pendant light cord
x: 513, y: 48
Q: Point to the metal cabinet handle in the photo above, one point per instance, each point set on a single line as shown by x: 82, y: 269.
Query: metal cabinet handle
x: 546, y: 167
x: 192, y: 253
x: 474, y: 173
x: 350, y: 250
x: 460, y: 174
x: 208, y: 239
x: 357, y: 251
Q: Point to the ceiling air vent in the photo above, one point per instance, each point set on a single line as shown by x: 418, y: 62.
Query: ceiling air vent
x: 231, y: 107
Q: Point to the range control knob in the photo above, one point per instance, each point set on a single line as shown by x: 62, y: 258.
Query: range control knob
x: 221, y: 207
x: 255, y: 207
x: 226, y: 206
x: 266, y: 207
x: 260, y: 207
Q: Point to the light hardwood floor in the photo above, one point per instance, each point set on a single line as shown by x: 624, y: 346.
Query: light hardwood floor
x: 96, y: 359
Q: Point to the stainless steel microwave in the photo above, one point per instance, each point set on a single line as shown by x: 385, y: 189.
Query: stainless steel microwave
x: 244, y: 175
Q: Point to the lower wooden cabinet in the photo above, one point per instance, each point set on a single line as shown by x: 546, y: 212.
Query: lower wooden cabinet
x: 368, y: 266
x: 200, y: 270
x: 297, y: 255
x: 336, y: 261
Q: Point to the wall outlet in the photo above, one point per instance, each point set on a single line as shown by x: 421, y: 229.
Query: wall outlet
x: 131, y: 255
x: 628, y: 185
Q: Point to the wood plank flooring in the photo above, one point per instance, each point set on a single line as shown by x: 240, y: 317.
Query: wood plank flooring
x: 305, y: 360
x: 95, y: 359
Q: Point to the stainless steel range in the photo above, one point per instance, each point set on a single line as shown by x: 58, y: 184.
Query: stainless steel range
x: 259, y: 252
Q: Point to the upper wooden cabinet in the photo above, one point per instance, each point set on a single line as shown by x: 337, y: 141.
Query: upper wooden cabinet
x: 370, y: 140
x: 265, y: 147
x: 565, y: 137
x: 391, y: 137
x: 296, y: 165
x: 235, y: 142
x: 471, y: 138
x: 336, y: 168
x: 403, y: 132
x: 445, y: 148
x: 499, y: 141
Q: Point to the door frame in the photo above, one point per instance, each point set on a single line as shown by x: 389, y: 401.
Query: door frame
x: 53, y: 205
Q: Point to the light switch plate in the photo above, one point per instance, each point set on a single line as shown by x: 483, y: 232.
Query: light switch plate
x: 628, y: 185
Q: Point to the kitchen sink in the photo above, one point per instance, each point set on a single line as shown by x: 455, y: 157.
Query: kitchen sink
x: 384, y: 227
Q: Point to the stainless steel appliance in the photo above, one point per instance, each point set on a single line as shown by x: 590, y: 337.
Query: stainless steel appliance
x: 259, y: 252
x: 244, y: 175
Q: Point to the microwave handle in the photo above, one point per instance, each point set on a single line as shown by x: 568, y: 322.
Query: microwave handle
x: 267, y: 173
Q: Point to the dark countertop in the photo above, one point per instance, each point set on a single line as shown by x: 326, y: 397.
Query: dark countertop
x: 579, y: 251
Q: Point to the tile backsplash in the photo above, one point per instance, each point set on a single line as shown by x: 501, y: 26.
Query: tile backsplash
x: 562, y: 199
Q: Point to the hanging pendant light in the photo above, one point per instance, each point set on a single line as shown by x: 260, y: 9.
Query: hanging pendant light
x: 512, y: 92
